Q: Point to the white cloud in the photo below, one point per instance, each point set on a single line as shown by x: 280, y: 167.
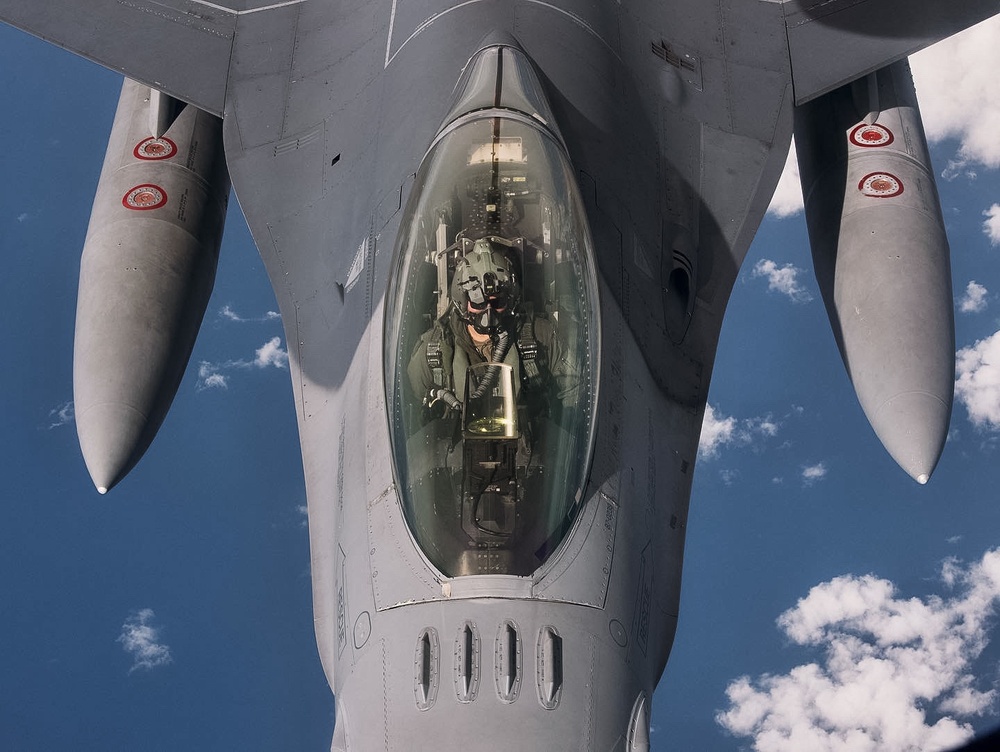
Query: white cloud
x: 210, y: 379
x: 209, y: 376
x: 958, y: 167
x: 813, y: 473
x: 22, y: 216
x: 270, y: 354
x: 729, y: 476
x: 62, y: 415
x: 764, y: 426
x: 787, y: 198
x: 978, y: 383
x: 216, y: 380
x: 718, y: 431
x: 783, y: 279
x: 974, y: 300
x: 992, y: 224
x: 229, y: 314
x: 888, y: 663
x: 966, y: 106
x: 141, y: 640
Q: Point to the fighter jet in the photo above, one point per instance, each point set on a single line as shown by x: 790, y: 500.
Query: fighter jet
x: 502, y: 236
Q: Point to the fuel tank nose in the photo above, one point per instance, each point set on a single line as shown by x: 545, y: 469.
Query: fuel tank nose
x: 913, y: 427
x: 111, y: 439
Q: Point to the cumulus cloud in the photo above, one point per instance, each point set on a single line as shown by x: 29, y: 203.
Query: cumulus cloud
x: 718, y: 431
x: 62, y: 415
x: 269, y: 355
x: 978, y: 381
x: 992, y: 224
x: 813, y: 473
x: 895, y: 673
x: 210, y: 378
x: 782, y: 279
x: 787, y: 198
x: 974, y: 300
x: 965, y: 107
x: 229, y: 314
x: 729, y: 476
x: 141, y: 640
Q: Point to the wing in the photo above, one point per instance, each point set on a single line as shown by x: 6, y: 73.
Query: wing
x: 833, y: 42
x: 182, y: 47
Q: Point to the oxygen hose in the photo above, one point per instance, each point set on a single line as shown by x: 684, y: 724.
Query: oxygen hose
x: 489, y: 379
x: 493, y: 372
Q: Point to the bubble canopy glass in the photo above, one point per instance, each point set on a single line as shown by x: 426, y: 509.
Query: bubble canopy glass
x: 492, y: 433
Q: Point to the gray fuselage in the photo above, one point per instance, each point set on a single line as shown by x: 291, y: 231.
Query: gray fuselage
x: 673, y: 185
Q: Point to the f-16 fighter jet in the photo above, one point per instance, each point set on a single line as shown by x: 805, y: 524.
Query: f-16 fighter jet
x: 502, y: 235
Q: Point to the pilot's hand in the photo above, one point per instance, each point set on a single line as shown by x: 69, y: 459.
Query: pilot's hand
x: 443, y: 395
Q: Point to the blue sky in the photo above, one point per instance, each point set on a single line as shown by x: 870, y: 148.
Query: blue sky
x: 174, y: 613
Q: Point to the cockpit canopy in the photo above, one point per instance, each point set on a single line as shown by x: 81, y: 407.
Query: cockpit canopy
x: 492, y: 347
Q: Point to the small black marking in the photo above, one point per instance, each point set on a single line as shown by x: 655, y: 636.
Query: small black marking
x: 663, y: 51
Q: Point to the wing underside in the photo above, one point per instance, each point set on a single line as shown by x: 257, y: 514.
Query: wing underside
x: 833, y: 42
x: 182, y: 47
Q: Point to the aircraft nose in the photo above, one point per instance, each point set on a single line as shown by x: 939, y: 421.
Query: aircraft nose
x: 913, y: 427
x: 109, y: 434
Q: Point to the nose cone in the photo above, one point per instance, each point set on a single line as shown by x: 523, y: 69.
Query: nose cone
x: 113, y: 437
x: 913, y: 427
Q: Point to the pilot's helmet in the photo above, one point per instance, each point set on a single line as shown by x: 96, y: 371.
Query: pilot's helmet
x: 484, y: 289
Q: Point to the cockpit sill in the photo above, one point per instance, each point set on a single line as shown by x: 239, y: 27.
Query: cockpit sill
x: 488, y: 586
x: 589, y: 545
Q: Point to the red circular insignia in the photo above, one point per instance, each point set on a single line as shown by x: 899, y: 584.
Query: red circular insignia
x: 880, y: 185
x: 871, y: 135
x: 155, y: 148
x: 147, y: 196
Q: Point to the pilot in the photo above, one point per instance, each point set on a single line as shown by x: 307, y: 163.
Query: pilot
x: 488, y: 323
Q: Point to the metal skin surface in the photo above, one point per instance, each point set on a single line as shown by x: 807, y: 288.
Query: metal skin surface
x: 676, y: 118
x: 654, y: 179
x: 146, y: 275
x: 881, y: 258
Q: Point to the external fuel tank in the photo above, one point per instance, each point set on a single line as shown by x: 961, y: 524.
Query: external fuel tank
x: 146, y: 275
x: 881, y: 258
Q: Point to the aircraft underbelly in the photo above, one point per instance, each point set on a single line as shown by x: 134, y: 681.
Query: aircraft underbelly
x: 670, y: 223
x: 557, y: 193
x: 610, y: 593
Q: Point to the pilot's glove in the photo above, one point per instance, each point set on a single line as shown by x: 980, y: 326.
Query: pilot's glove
x: 443, y: 395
